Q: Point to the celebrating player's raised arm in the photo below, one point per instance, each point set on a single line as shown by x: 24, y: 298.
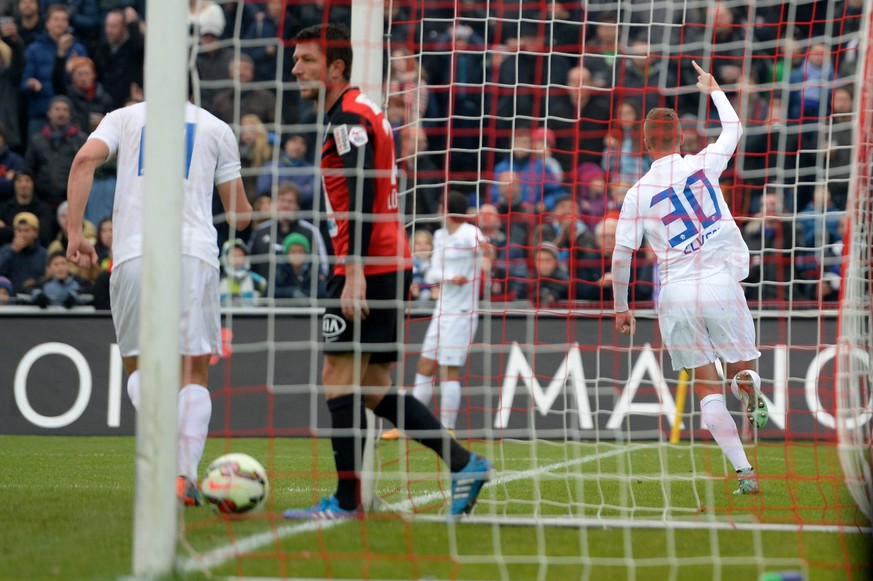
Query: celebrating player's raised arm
x: 731, y: 128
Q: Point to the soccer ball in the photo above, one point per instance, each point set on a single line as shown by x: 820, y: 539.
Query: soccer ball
x: 235, y: 483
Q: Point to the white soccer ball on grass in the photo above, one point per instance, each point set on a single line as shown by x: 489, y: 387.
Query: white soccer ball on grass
x: 235, y: 483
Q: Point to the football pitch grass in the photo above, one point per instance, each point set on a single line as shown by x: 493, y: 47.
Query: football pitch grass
x: 69, y: 506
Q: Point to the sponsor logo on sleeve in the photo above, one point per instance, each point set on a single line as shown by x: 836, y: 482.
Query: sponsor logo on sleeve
x: 341, y: 137
x: 358, y: 135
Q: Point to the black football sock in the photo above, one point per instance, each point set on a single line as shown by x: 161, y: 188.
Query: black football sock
x: 417, y: 420
x: 345, y: 443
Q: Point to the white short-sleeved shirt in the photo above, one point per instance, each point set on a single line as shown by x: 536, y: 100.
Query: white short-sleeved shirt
x: 212, y: 158
x: 456, y: 254
x: 680, y: 209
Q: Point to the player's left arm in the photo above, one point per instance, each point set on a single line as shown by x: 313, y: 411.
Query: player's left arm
x: 229, y: 182
x: 89, y: 157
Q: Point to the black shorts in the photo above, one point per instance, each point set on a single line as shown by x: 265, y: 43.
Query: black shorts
x: 378, y: 332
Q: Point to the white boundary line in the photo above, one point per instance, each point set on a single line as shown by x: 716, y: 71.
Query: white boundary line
x: 221, y: 555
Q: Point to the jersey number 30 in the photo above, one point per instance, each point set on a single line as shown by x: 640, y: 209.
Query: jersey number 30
x: 680, y: 212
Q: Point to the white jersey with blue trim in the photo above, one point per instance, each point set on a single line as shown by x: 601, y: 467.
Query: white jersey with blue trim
x: 211, y: 158
x: 679, y: 208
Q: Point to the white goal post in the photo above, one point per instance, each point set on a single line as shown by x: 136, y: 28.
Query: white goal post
x: 156, y: 508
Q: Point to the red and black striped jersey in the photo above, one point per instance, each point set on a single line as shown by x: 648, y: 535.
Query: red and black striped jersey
x: 359, y: 175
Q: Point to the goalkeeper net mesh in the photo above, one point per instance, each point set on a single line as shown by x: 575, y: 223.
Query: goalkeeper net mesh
x: 603, y: 468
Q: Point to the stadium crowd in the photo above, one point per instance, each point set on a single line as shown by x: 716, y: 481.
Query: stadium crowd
x: 498, y: 105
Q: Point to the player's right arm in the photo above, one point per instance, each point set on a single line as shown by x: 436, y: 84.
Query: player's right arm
x: 87, y: 160
x: 731, y: 128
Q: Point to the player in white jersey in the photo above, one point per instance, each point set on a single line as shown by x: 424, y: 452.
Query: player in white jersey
x: 212, y: 158
x: 703, y: 316
x: 455, y: 266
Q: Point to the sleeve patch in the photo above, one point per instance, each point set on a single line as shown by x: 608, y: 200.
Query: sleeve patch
x: 358, y: 135
x: 341, y: 138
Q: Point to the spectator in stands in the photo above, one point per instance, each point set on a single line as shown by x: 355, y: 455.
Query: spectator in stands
x: 60, y: 286
x: 7, y: 292
x: 25, y: 200
x: 206, y: 13
x: 254, y: 151
x: 624, y: 157
x: 423, y: 177
x: 617, y: 193
x: 537, y: 185
x: 565, y: 230
x: 522, y: 79
x: 265, y: 27
x: 456, y: 63
x: 60, y: 241
x: 831, y: 265
x: 763, y: 150
x: 771, y: 235
x: 28, y: 22
x: 504, y: 263
x: 591, y: 192
x: 810, y: 98
x: 516, y: 219
x: 244, y: 12
x: 820, y: 219
x: 293, y: 166
x: 120, y: 55
x: 839, y: 144
x: 11, y: 65
x: 638, y: 75
x: 262, y: 210
x: 264, y: 243
x: 213, y: 60
x: 693, y: 140
x: 90, y: 101
x: 84, y: 18
x: 39, y: 61
x: 294, y: 274
x: 601, y: 51
x: 23, y: 260
x: 422, y: 251
x: 409, y: 80
x: 593, y: 277
x: 552, y: 283
x: 260, y: 102
x: 52, y: 149
x: 580, y: 119
x: 10, y: 164
x: 239, y: 286
x: 103, y: 246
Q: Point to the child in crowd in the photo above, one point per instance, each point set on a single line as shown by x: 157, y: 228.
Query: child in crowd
x: 239, y: 286
x: 294, y: 278
x: 422, y: 249
x: 60, y: 287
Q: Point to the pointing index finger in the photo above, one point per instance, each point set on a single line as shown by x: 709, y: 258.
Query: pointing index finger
x: 697, y: 68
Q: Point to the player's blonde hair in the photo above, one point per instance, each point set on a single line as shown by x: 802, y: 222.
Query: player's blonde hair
x: 662, y: 129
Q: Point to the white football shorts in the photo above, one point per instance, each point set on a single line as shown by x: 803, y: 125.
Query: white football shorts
x: 449, y: 337
x: 704, y: 320
x: 200, y: 321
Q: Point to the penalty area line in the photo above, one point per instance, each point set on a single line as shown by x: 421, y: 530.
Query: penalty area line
x: 218, y: 556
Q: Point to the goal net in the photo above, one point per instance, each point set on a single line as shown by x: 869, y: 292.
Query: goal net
x: 602, y: 465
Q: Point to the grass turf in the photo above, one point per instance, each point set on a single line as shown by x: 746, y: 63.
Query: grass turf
x: 69, y: 512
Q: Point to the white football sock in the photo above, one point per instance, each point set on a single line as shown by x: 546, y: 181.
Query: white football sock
x: 423, y: 389
x: 450, y: 402
x: 195, y: 409
x: 721, y: 424
x: 133, y: 389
